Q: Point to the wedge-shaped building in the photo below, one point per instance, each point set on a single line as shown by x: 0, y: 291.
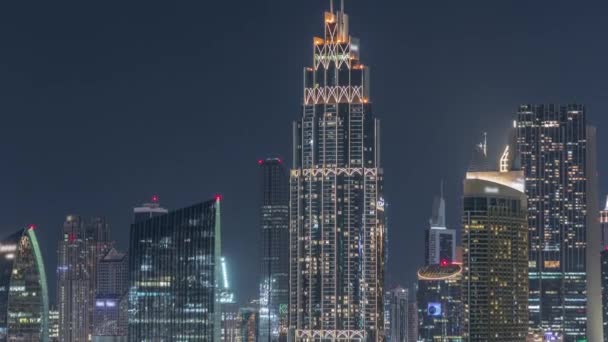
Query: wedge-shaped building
x: 24, y: 304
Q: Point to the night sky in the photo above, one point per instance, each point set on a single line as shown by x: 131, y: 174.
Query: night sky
x: 105, y: 103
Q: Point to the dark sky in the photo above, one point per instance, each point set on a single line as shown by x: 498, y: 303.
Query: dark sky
x: 104, y: 103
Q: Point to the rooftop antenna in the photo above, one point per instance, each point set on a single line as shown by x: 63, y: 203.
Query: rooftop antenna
x: 342, y: 6
x: 331, y: 6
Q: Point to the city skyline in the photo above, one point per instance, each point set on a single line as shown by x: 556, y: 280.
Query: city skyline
x: 90, y: 187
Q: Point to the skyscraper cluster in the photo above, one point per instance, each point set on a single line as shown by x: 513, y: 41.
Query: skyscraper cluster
x: 527, y: 261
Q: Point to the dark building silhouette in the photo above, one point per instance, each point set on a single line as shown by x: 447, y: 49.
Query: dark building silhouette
x: 274, y: 222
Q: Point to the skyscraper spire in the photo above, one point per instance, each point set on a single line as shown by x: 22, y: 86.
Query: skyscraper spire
x: 331, y: 6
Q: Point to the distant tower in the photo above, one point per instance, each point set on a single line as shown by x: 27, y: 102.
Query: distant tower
x: 495, y: 255
x: 274, y: 232
x: 111, y: 300
x: 83, y: 242
x: 336, y: 198
x: 397, y: 304
x: 440, y: 241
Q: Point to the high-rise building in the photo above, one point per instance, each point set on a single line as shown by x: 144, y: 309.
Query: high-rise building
x: 495, y: 256
x: 83, y: 242
x: 53, y: 325
x: 440, y: 241
x: 249, y: 317
x: 412, y: 322
x: 604, y: 258
x: 174, y: 270
x: 557, y: 154
x: 397, y: 310
x: 336, y: 198
x: 604, y: 225
x: 440, y: 303
x: 24, y: 301
x: 111, y: 300
x: 274, y: 280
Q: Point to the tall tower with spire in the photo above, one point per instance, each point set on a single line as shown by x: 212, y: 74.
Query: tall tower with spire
x: 440, y: 241
x: 337, y: 223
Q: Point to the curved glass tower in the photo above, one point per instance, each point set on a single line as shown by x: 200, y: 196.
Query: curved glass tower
x: 336, y: 204
x: 24, y: 302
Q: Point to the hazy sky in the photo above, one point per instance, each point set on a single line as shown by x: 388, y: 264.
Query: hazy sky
x: 104, y: 103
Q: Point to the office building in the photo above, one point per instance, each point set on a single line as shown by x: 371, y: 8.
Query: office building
x: 440, y: 241
x: 557, y: 151
x: 174, y: 269
x: 439, y: 298
x: 336, y: 198
x: 230, y: 330
x: 111, y: 301
x: 274, y: 279
x: 82, y: 243
x: 24, y: 301
x: 495, y: 256
x: 396, y: 317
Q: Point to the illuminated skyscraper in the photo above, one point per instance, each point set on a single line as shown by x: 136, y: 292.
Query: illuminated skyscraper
x: 53, y: 325
x: 336, y: 198
x: 274, y: 220
x: 249, y: 318
x: 604, y: 258
x: 440, y: 241
x: 230, y: 331
x: 439, y: 301
x: 557, y: 151
x: 83, y: 242
x: 495, y: 256
x: 174, y: 272
x: 24, y: 301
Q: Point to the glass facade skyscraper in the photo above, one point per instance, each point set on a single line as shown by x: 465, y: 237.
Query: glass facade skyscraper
x: 274, y: 280
x: 111, y: 300
x: 174, y: 269
x: 495, y: 257
x: 555, y: 150
x: 336, y: 198
x: 24, y: 301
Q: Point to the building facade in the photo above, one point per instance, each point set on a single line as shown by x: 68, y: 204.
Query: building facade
x: 24, y: 301
x: 110, y: 320
x: 174, y: 270
x: 412, y: 322
x: 554, y: 145
x: 495, y: 256
x: 604, y: 258
x: 274, y: 279
x: 249, y: 318
x: 53, y: 325
x: 440, y: 241
x: 604, y: 225
x: 396, y: 317
x: 82, y: 243
x: 336, y: 198
x: 439, y: 298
